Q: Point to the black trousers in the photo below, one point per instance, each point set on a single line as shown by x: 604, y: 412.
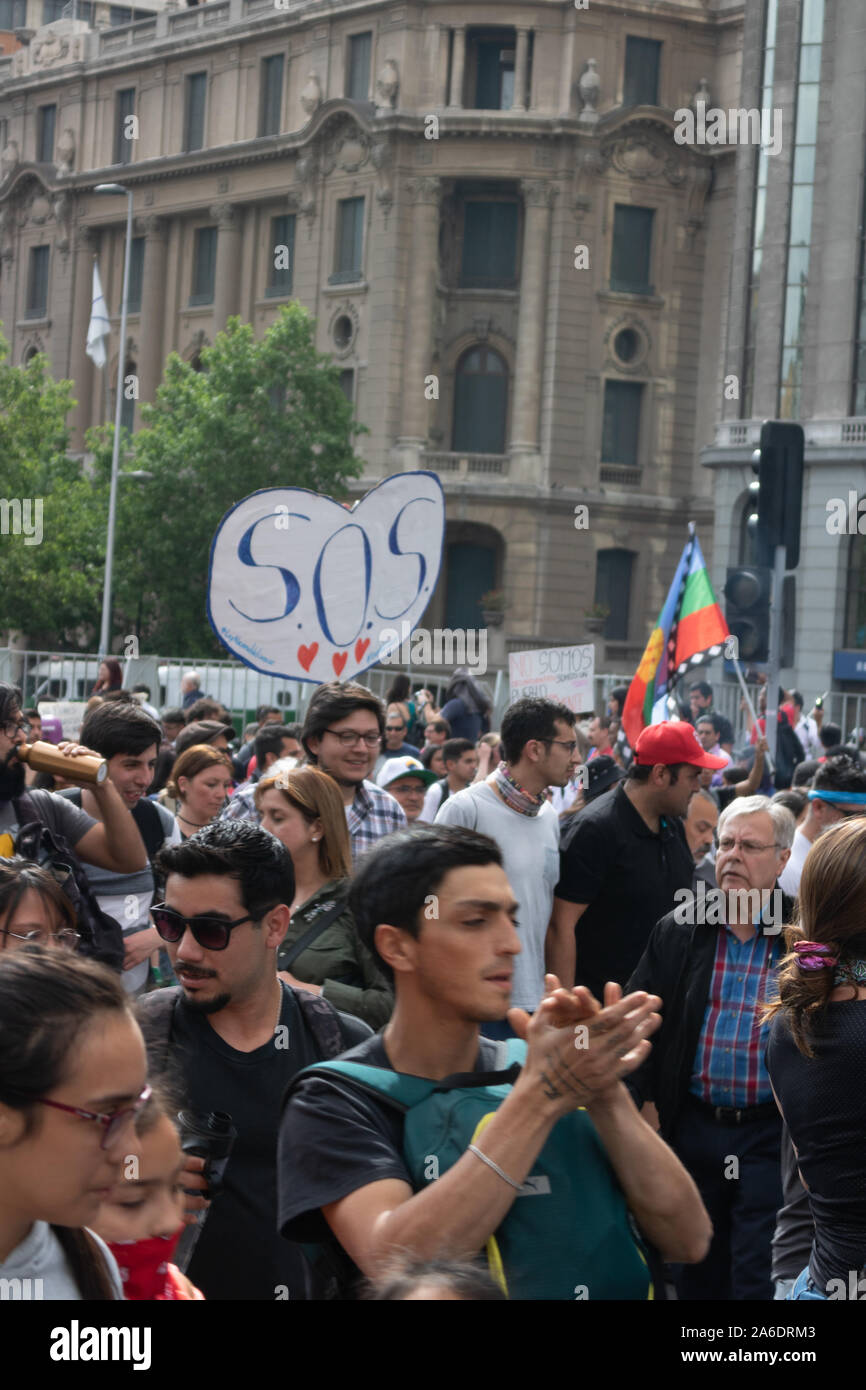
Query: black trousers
x: 737, y: 1170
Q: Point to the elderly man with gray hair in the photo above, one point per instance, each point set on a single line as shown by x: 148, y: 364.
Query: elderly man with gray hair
x: 713, y: 960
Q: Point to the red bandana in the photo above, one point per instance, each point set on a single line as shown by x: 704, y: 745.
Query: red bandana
x: 143, y: 1267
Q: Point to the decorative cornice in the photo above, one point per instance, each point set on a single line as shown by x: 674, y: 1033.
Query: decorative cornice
x: 425, y: 188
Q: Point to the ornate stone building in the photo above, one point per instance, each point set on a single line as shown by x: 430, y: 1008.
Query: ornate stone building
x: 516, y: 265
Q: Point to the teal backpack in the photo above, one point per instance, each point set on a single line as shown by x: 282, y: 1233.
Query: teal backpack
x: 568, y: 1233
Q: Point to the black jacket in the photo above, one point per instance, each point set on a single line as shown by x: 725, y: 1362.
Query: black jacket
x: 677, y: 965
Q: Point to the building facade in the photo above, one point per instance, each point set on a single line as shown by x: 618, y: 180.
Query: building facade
x: 794, y: 338
x: 520, y: 270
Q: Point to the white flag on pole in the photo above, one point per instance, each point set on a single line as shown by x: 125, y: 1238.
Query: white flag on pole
x: 99, y: 327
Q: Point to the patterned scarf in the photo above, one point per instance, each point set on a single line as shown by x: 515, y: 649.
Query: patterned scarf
x: 851, y: 972
x: 515, y: 796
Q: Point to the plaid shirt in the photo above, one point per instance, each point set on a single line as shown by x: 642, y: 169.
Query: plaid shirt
x: 242, y: 805
x: 729, y: 1064
x: 372, y: 814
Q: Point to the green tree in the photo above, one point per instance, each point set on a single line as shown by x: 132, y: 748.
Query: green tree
x: 50, y: 581
x: 261, y: 413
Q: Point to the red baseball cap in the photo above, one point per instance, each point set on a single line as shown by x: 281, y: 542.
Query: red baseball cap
x: 673, y: 741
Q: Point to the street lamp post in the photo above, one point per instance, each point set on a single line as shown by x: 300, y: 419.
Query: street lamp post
x: 105, y: 631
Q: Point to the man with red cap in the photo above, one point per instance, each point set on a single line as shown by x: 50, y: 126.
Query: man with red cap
x: 623, y: 860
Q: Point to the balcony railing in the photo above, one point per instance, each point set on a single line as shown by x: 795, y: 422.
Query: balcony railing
x: 841, y: 433
x: 621, y: 474
x: 466, y: 464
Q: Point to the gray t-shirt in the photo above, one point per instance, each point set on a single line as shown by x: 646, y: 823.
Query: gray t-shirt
x: 530, y: 854
x: 55, y: 811
x: 41, y: 1270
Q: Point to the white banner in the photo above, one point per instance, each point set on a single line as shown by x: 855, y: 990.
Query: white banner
x: 565, y: 674
x: 69, y: 712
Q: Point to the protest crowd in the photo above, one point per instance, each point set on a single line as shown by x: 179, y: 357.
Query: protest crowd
x: 307, y: 1014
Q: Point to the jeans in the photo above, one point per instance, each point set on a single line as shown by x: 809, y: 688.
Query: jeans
x: 803, y: 1288
x: 783, y: 1288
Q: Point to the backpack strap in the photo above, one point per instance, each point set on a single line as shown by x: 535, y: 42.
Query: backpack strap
x: 322, y: 1021
x: 312, y: 933
x: 155, y: 1012
x: 403, y: 1092
x: 150, y: 827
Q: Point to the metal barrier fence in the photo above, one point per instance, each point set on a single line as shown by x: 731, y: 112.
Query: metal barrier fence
x: 45, y: 675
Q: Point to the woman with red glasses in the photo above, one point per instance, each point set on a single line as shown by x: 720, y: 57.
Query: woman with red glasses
x: 72, y: 1077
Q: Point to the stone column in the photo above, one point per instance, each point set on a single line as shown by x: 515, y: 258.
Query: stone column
x: 458, y: 65
x: 80, y: 365
x: 520, y: 56
x: 152, y: 320
x: 424, y: 194
x: 538, y: 195
x: 442, y: 83
x: 228, y: 263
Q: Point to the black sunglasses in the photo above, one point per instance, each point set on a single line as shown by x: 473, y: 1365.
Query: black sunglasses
x: 211, y: 933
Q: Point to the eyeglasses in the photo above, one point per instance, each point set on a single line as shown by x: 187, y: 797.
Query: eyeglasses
x: 113, y: 1123
x: 394, y: 728
x: 211, y: 933
x: 66, y: 937
x: 561, y: 741
x: 16, y: 726
x: 745, y: 846
x: 349, y: 737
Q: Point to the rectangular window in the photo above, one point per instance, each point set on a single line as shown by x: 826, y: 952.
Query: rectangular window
x: 347, y: 383
x: 641, y: 85
x: 37, y: 283
x: 632, y: 247
x: 136, y: 274
x: 46, y: 119
x: 204, y: 266
x: 13, y: 14
x: 358, y: 67
x: 120, y: 14
x: 494, y: 89
x: 489, y: 245
x: 350, y: 240
x: 52, y: 9
x: 270, y: 113
x: 613, y: 590
x: 124, y: 108
x: 193, y: 125
x: 621, y: 432
x: 281, y: 256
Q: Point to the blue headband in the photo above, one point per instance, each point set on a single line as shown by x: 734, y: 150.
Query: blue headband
x: 856, y: 798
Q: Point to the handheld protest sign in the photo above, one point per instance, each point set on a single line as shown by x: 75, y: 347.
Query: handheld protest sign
x: 301, y: 588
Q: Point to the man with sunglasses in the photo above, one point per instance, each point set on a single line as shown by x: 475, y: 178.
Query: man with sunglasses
x: 343, y: 732
x: 707, y: 1075
x: 838, y: 790
x: 511, y: 806
x: 235, y: 1035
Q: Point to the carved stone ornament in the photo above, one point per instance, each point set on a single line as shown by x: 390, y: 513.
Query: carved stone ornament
x: 702, y: 95
x: 9, y: 158
x: 345, y: 309
x: 311, y: 94
x: 388, y: 84
x: 344, y: 146
x: 588, y: 86
x: 54, y: 45
x: 642, y: 156
x: 62, y: 209
x: 66, y: 152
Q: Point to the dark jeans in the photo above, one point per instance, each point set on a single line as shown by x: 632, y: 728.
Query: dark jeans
x: 742, y: 1208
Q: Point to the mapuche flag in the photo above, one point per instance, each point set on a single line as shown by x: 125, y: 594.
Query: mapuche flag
x: 691, y: 625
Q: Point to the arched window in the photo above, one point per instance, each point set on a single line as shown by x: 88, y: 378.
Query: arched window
x: 855, y: 597
x: 480, y: 402
x: 473, y: 567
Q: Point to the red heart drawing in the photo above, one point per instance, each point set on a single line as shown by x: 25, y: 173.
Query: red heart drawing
x: 307, y: 655
x: 361, y: 647
x: 338, y: 660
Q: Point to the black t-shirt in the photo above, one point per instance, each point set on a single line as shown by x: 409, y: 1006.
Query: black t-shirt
x: 825, y: 1110
x: 333, y: 1142
x: 239, y: 1254
x: 628, y: 875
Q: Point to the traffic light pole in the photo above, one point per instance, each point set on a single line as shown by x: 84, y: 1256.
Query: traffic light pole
x: 774, y: 662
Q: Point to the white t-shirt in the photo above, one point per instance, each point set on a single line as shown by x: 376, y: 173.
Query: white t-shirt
x: 530, y: 854
x: 432, y: 802
x: 42, y: 1271
x: 789, y: 878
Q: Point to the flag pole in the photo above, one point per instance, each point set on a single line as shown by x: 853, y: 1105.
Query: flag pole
x: 747, y: 697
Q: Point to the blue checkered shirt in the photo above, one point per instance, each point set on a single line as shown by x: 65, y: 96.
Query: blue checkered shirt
x: 242, y: 805
x: 372, y: 814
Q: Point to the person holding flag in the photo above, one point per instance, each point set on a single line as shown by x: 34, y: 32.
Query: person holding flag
x: 691, y: 626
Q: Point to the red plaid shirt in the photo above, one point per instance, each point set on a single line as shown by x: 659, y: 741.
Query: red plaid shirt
x: 729, y: 1061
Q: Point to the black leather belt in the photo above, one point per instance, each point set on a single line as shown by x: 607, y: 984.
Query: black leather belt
x: 730, y: 1115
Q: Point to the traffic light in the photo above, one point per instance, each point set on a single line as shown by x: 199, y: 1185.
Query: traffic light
x: 778, y: 464
x: 747, y: 609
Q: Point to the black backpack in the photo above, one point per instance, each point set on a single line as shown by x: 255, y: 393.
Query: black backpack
x: 101, y: 936
x: 789, y: 752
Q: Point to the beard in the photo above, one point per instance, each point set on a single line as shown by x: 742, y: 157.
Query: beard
x: 12, y: 777
x: 206, y: 1006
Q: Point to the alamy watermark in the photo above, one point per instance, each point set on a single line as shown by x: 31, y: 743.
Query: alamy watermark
x: 739, y: 126
x: 440, y: 646
x: 713, y: 907
x: 22, y: 517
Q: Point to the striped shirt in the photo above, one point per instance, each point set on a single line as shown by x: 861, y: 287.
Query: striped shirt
x: 372, y: 814
x: 729, y: 1064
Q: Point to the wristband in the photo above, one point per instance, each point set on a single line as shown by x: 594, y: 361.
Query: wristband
x: 495, y: 1166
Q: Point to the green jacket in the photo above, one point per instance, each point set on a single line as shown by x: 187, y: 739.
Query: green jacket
x: 338, y: 959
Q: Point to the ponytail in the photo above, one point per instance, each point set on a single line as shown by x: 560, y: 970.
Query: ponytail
x: 87, y: 1262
